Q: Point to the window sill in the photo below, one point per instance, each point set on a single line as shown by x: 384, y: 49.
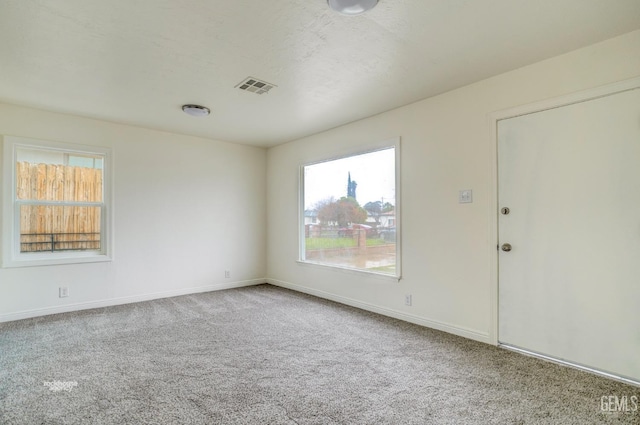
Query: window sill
x: 361, y: 272
x: 55, y: 259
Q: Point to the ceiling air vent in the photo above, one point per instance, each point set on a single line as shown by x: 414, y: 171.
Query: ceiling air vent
x: 255, y: 86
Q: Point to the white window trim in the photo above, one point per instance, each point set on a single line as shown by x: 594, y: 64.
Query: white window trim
x: 387, y: 144
x: 11, y: 255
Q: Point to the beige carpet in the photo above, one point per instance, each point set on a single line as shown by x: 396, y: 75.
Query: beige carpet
x: 265, y: 355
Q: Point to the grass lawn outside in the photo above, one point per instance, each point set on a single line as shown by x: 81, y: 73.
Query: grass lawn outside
x: 329, y: 243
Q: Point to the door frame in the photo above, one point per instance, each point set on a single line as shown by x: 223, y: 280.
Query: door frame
x: 493, y: 119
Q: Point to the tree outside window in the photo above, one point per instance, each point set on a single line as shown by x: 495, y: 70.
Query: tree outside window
x: 354, y: 201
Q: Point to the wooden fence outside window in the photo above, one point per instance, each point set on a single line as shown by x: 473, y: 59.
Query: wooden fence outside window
x: 59, y: 227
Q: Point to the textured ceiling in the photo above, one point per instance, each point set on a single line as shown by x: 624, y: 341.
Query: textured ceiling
x: 138, y: 61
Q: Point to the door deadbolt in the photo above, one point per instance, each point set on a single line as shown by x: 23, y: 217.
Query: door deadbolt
x: 506, y: 247
x: 504, y: 210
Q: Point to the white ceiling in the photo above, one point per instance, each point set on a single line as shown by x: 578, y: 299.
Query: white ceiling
x: 138, y: 61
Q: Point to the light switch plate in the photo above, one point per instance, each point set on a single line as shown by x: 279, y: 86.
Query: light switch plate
x: 465, y: 196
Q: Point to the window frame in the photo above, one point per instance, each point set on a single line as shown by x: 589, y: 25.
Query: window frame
x: 11, y: 255
x: 370, y: 148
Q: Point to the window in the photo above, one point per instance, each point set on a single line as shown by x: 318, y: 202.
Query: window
x: 350, y: 212
x: 55, y: 203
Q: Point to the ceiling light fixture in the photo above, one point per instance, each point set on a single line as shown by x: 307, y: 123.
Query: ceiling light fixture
x: 352, y: 7
x: 196, y: 110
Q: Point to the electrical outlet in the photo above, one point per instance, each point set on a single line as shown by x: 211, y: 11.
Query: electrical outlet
x: 63, y: 291
x: 407, y: 299
x: 227, y: 274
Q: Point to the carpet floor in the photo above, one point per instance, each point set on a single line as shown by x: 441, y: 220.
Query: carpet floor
x: 266, y: 355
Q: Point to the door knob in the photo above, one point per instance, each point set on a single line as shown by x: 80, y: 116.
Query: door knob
x: 506, y: 247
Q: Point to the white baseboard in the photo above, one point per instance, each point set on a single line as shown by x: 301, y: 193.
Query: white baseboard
x: 26, y: 314
x: 445, y: 327
x: 626, y: 380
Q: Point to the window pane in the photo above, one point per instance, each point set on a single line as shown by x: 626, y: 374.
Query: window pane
x: 42, y: 176
x: 349, y: 217
x: 85, y: 161
x: 59, y: 228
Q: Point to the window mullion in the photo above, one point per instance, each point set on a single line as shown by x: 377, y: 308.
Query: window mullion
x: 59, y: 203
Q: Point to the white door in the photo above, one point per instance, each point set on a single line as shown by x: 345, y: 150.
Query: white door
x: 569, y: 288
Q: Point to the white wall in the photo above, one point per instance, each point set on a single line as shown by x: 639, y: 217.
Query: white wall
x: 185, y: 210
x: 448, y: 248
x: 213, y: 197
